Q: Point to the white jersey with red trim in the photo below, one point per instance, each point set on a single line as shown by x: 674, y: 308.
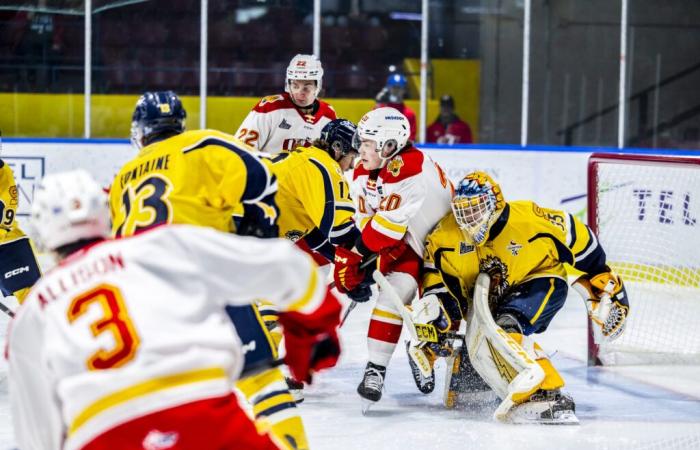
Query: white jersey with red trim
x: 276, y: 124
x: 151, y: 307
x: 403, y: 200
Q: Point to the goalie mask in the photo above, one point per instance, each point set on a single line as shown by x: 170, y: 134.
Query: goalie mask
x: 385, y: 126
x: 304, y: 67
x: 476, y: 205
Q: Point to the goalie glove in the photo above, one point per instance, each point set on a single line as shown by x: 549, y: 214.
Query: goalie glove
x: 606, y: 300
x: 311, y: 340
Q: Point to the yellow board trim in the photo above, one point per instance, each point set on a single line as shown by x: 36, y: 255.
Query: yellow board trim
x: 389, y: 225
x: 544, y: 302
x: 144, y: 388
x: 387, y: 315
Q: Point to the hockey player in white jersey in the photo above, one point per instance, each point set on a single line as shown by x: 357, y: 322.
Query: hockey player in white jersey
x: 126, y: 343
x: 400, y: 194
x: 291, y: 119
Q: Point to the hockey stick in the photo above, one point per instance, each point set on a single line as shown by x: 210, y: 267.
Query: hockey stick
x: 427, y: 331
x: 6, y: 309
x: 372, y: 258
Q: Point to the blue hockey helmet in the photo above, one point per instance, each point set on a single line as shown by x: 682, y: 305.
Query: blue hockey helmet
x: 477, y: 204
x: 338, y: 134
x: 157, y: 114
x: 396, y: 80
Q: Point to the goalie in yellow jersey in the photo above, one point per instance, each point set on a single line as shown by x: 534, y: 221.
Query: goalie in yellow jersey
x: 18, y: 265
x: 522, y: 247
x: 202, y: 177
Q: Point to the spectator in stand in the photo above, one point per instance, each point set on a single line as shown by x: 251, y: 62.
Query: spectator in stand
x: 448, y: 128
x: 392, y: 95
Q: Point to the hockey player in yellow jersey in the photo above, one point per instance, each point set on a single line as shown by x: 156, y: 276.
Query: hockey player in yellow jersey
x: 313, y: 195
x: 202, y: 177
x: 523, y: 248
x: 18, y: 265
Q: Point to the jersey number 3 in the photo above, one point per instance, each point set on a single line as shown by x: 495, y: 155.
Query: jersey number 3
x: 145, y: 206
x: 115, y: 320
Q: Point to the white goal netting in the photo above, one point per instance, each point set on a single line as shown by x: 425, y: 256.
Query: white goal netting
x: 646, y: 212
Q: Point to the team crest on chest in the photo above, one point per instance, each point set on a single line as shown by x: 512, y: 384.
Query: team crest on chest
x: 395, y: 165
x: 498, y: 272
x: 465, y: 248
x: 294, y: 235
x: 514, y: 248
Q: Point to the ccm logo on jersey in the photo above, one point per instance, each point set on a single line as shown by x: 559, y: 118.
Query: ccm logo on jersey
x: 16, y: 271
x: 393, y: 118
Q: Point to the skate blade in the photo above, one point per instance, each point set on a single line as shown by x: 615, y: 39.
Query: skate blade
x: 366, y: 405
x: 560, y: 418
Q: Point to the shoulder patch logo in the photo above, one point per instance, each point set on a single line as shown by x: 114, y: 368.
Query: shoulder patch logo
x: 270, y: 99
x: 395, y: 165
x: 285, y: 125
x: 514, y: 248
x: 465, y: 248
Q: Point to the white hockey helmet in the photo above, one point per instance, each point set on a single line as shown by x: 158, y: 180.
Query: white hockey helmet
x: 304, y: 67
x: 386, y: 126
x: 69, y: 207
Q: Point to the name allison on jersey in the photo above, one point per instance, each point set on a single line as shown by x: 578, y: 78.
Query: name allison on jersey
x: 403, y: 200
x: 276, y: 124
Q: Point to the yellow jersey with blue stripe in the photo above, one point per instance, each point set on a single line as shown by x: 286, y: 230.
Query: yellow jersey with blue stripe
x: 526, y: 242
x: 198, y: 177
x: 313, y: 197
x: 19, y: 269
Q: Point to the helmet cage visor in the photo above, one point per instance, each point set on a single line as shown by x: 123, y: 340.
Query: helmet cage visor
x: 475, y: 214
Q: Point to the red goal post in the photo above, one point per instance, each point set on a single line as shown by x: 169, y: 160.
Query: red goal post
x: 645, y: 210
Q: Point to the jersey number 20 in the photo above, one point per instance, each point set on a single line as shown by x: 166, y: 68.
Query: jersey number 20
x: 145, y: 206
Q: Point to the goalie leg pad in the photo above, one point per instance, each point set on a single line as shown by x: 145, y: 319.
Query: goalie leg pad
x: 463, y: 384
x: 552, y: 378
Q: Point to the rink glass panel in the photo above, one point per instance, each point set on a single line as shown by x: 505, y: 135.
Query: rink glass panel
x: 663, y: 75
x: 574, y: 72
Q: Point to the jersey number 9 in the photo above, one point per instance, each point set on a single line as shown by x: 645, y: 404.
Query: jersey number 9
x: 7, y: 216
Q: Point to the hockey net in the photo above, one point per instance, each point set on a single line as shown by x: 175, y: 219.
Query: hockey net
x: 645, y: 211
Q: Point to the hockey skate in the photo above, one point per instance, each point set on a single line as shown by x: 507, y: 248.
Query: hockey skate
x: 545, y: 407
x: 425, y: 385
x: 370, y: 389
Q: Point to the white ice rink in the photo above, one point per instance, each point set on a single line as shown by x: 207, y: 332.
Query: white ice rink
x: 619, y: 408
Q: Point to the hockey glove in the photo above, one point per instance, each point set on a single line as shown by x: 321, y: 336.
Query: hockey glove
x: 361, y: 293
x: 347, y: 273
x: 311, y: 340
x: 606, y: 300
x: 259, y: 219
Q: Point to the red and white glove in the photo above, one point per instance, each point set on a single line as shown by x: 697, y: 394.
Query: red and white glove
x: 311, y: 340
x: 347, y: 273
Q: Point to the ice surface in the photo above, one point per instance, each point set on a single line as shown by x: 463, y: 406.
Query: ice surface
x: 638, y: 407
